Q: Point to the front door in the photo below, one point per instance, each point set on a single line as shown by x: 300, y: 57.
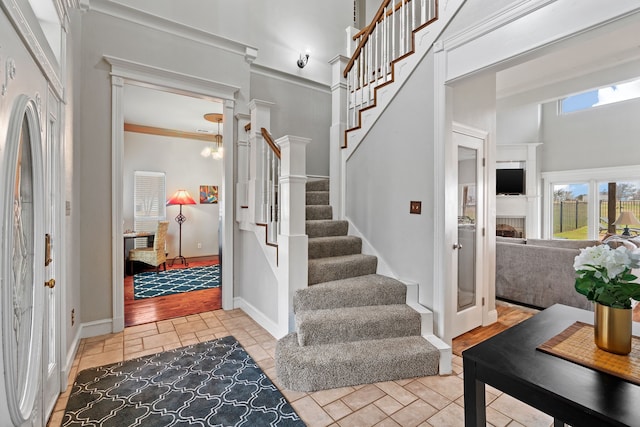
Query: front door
x: 468, y: 247
x: 51, y: 338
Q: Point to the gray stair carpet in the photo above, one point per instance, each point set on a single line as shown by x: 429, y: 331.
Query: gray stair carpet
x: 352, y: 325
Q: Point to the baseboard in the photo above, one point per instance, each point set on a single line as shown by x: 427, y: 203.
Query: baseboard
x: 71, y: 356
x: 95, y: 328
x: 446, y: 354
x: 259, y: 317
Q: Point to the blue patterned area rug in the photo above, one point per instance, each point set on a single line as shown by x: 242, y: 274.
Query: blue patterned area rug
x: 151, y: 284
x: 215, y: 383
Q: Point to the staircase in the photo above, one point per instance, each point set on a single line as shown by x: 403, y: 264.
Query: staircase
x: 353, y: 326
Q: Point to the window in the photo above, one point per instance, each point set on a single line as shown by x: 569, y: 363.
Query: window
x: 576, y: 203
x: 570, y: 211
x: 148, y: 202
x: 625, y: 196
x: 602, y: 96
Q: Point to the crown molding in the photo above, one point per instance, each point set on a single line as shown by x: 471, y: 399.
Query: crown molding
x: 28, y: 27
x: 289, y: 78
x: 148, y: 74
x: 158, y: 23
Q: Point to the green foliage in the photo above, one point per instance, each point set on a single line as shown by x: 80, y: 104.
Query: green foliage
x: 616, y: 293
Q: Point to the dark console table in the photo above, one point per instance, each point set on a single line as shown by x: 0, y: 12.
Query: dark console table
x: 571, y: 393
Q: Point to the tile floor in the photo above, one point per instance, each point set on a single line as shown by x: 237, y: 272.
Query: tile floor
x: 428, y: 401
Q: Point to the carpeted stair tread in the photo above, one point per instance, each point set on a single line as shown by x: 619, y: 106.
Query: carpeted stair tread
x: 319, y: 212
x: 320, y: 367
x: 325, y: 227
x: 317, y: 198
x: 317, y: 185
x: 340, y: 267
x: 332, y: 326
x: 323, y: 247
x: 372, y: 289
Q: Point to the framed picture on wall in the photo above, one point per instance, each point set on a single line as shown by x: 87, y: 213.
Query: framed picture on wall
x: 208, y: 194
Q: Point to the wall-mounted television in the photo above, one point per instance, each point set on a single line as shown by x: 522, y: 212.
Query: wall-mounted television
x: 510, y: 181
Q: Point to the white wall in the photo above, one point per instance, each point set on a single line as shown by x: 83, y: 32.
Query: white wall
x: 185, y: 168
x: 595, y: 138
x: 390, y: 168
x: 256, y: 287
x: 279, y: 31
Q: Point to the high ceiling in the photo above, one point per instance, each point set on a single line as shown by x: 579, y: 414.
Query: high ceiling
x: 156, y: 108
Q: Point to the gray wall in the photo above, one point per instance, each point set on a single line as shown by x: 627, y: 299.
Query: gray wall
x: 141, y: 44
x: 301, y: 110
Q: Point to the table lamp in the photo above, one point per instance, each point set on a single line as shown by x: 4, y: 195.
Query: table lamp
x: 627, y: 218
x: 180, y: 197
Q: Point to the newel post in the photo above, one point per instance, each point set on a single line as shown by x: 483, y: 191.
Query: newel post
x: 292, y: 240
x: 336, y: 133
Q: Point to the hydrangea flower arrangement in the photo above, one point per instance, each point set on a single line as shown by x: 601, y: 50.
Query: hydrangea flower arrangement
x: 604, y: 275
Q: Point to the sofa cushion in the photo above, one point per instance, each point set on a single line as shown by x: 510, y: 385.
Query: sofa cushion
x: 537, y: 275
x: 563, y: 243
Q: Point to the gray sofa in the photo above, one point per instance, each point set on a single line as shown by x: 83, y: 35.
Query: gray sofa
x: 539, y: 273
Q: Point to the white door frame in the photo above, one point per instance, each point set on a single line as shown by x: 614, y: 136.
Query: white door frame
x: 123, y: 71
x: 469, y: 319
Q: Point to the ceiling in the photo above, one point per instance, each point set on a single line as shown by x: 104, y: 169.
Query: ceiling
x: 156, y: 108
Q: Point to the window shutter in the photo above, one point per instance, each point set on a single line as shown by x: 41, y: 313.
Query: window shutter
x: 149, y: 202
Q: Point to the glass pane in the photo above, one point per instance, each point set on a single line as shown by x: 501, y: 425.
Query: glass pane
x: 467, y: 182
x: 23, y: 256
x: 616, y: 198
x: 570, y: 211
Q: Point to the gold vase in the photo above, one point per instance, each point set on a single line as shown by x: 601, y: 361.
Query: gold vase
x: 612, y: 329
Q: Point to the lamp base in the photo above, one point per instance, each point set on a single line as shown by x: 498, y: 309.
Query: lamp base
x: 182, y: 259
x: 625, y: 232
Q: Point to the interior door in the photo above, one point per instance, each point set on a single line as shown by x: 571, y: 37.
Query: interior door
x: 51, y: 338
x: 468, y: 247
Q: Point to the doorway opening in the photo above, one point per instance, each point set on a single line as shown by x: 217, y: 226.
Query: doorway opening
x: 166, y: 134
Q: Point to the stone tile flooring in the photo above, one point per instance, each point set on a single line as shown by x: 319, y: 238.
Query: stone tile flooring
x: 428, y: 401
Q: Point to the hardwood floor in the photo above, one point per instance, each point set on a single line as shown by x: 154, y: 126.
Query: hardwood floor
x: 147, y: 310
x: 508, y: 315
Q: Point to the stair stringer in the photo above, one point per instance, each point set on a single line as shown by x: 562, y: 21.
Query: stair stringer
x: 412, y: 300
x: 423, y: 40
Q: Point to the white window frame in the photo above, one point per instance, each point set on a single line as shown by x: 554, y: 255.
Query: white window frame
x: 590, y: 176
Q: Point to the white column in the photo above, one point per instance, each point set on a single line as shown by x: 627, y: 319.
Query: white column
x: 227, y: 197
x: 338, y: 127
x: 292, y: 240
x: 117, y: 159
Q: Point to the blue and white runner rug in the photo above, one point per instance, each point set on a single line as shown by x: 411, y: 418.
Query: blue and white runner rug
x: 151, y: 284
x: 214, y: 383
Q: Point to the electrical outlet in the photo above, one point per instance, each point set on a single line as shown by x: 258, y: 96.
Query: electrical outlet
x: 199, y: 245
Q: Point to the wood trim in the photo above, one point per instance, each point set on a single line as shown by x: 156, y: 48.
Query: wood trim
x: 269, y: 140
x: 150, y: 130
x: 266, y: 233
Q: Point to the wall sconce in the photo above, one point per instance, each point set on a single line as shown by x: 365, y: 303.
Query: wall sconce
x: 302, y: 61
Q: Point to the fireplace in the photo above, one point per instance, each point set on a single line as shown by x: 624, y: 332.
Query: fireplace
x: 510, y: 226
